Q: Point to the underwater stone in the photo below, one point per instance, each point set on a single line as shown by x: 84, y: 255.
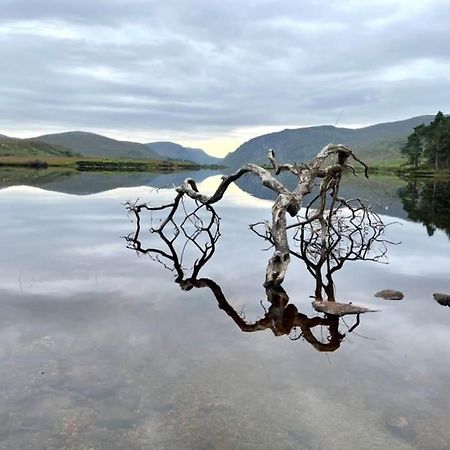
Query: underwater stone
x: 442, y: 299
x: 390, y: 294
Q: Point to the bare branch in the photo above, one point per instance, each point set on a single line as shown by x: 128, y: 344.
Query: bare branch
x: 287, y: 202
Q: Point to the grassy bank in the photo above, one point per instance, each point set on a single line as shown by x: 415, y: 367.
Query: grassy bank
x: 423, y: 172
x: 398, y: 167
x: 84, y: 164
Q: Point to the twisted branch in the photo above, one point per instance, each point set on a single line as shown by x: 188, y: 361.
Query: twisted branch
x: 286, y: 202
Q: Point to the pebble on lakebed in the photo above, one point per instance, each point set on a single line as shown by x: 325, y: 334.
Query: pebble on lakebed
x: 390, y: 294
x: 400, y: 426
x: 442, y: 299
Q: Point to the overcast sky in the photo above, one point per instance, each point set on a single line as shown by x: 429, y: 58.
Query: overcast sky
x: 215, y: 73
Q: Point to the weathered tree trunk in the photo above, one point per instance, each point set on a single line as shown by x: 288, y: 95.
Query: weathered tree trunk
x: 286, y: 202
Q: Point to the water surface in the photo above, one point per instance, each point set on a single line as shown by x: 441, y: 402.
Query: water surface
x: 99, y: 348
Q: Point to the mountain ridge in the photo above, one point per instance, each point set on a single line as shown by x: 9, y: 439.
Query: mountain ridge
x: 176, y: 151
x: 380, y: 141
x: 375, y: 143
x: 33, y: 148
x: 97, y: 145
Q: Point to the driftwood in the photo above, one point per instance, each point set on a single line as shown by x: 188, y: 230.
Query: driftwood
x: 330, y: 231
x: 287, y: 202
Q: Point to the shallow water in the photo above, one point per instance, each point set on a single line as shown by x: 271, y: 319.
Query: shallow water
x: 99, y: 348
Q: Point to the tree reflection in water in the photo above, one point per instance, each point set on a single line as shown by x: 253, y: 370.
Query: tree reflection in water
x: 352, y: 234
x: 428, y: 201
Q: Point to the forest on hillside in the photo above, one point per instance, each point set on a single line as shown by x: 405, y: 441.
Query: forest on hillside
x: 429, y: 145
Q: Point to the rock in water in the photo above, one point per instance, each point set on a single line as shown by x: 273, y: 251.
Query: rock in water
x: 442, y: 299
x: 390, y: 294
x: 399, y: 426
x: 339, y: 309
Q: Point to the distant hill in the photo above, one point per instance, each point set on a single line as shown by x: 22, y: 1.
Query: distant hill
x: 377, y: 143
x: 171, y: 150
x: 32, y: 148
x: 82, y: 143
x: 91, y: 144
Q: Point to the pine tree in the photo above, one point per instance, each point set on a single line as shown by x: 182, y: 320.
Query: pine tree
x: 431, y: 142
x: 414, y: 147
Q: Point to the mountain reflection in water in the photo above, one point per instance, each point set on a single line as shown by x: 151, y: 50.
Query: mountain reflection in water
x: 420, y: 200
x: 92, y: 182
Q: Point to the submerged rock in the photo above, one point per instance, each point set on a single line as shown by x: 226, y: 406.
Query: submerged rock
x: 390, y: 294
x: 339, y: 309
x: 400, y: 426
x: 442, y: 299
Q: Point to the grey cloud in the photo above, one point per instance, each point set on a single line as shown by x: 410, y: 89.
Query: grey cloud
x: 207, y: 66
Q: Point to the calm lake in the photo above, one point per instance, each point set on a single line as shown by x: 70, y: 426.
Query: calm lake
x: 101, y: 349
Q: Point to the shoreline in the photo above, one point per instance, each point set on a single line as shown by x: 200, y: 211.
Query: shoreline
x: 101, y: 164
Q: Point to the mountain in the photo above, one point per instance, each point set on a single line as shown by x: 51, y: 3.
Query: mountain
x: 32, y: 148
x: 91, y: 144
x: 171, y: 150
x: 379, y: 142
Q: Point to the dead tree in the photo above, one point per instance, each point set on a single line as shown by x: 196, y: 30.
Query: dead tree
x: 328, y: 166
x: 324, y: 240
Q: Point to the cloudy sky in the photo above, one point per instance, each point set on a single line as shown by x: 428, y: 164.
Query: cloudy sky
x: 215, y: 73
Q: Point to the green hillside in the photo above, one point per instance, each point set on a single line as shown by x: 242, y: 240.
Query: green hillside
x: 379, y: 143
x: 31, y: 148
x: 95, y: 145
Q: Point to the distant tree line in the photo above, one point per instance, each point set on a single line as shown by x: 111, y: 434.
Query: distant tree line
x: 429, y: 144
